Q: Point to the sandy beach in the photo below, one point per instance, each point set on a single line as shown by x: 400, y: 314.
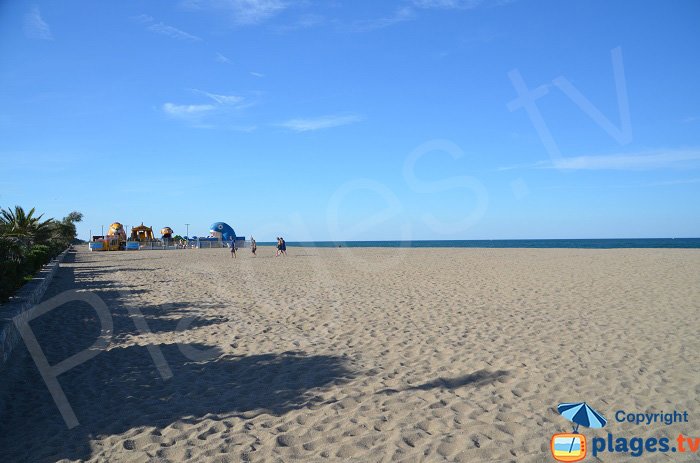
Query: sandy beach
x: 362, y: 354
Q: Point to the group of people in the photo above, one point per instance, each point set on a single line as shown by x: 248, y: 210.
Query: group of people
x: 281, y: 247
x: 253, y: 247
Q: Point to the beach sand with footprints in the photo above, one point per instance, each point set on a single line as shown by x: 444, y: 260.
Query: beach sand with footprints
x: 359, y: 354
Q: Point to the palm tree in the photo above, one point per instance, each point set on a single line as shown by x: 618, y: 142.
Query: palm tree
x: 24, y: 226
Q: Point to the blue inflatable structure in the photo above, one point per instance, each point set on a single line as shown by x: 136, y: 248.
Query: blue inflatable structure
x: 221, y: 235
x: 222, y: 231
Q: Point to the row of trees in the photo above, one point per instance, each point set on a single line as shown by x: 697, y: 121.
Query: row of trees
x: 27, y: 242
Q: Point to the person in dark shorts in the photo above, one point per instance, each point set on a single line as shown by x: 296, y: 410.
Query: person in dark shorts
x: 253, y: 245
x: 279, y: 246
x: 283, y: 246
x: 233, y: 249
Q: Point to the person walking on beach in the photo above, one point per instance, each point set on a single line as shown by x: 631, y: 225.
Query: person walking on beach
x: 253, y: 245
x: 233, y: 249
x: 283, y: 246
x: 279, y: 246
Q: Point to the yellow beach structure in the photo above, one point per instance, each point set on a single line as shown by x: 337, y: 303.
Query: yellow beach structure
x: 142, y: 233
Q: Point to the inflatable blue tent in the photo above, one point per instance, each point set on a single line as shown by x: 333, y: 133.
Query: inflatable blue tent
x: 222, y: 231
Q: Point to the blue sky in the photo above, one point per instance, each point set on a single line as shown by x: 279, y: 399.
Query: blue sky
x: 346, y: 120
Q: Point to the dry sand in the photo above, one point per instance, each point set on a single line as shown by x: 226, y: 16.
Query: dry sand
x: 366, y: 355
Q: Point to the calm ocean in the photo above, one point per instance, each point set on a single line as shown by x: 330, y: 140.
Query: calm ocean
x: 616, y: 243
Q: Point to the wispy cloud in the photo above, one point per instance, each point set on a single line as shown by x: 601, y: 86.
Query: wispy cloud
x: 143, y: 19
x: 457, y: 4
x: 244, y: 12
x: 222, y: 99
x: 318, y: 123
x: 35, y: 27
x: 657, y: 159
x: 410, y: 11
x: 653, y: 160
x: 446, y: 4
x: 257, y: 74
x: 172, y: 32
x: 305, y: 21
x: 192, y: 111
x: 164, y: 29
x: 400, y: 15
x: 221, y: 112
x: 221, y: 58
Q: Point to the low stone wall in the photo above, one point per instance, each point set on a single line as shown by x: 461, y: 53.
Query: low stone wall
x: 29, y: 295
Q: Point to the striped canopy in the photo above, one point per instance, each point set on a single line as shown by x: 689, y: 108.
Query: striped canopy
x: 581, y: 414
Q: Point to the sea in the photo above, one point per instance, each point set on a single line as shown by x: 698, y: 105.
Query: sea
x: 611, y: 243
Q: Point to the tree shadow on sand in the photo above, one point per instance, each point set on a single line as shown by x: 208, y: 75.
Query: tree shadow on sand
x: 121, y: 389
x: 477, y: 379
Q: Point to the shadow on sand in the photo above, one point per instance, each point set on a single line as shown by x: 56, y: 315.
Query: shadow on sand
x: 477, y: 379
x: 121, y: 388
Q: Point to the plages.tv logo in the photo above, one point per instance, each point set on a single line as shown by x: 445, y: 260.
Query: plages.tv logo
x: 572, y: 446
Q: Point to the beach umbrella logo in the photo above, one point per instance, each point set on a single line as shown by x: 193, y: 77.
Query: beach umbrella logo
x: 570, y: 447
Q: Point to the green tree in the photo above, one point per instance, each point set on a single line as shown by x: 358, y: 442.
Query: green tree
x: 27, y: 243
x: 64, y: 232
x: 24, y: 226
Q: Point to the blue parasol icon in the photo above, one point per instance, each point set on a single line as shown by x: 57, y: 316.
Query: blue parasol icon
x: 581, y: 414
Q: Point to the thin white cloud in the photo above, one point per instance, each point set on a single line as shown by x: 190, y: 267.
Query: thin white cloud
x: 658, y: 159
x: 222, y: 99
x: 244, y: 12
x: 255, y: 11
x: 411, y: 10
x: 641, y: 161
x: 257, y: 74
x: 400, y: 15
x: 221, y: 58
x: 457, y: 4
x: 143, y: 19
x: 172, y: 32
x: 221, y: 113
x: 305, y: 21
x: 447, y: 4
x: 318, y: 123
x: 192, y: 111
x: 35, y: 27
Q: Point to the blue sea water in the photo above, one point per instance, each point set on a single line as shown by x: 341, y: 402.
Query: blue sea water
x: 613, y: 243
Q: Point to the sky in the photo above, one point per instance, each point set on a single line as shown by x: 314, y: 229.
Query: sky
x: 355, y: 120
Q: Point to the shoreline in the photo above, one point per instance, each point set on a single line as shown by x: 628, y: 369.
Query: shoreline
x: 559, y: 243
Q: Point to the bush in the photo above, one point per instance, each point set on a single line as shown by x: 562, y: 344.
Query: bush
x: 27, y: 243
x: 11, y: 278
x: 38, y: 256
x: 11, y: 273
